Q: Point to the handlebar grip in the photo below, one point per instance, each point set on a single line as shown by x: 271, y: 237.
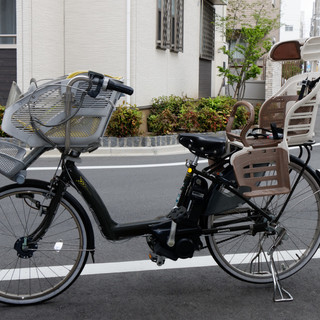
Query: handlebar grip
x: 118, y: 86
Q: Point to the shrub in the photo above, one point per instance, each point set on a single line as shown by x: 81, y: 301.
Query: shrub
x: 214, y: 113
x: 125, y: 121
x: 164, y: 115
x: 217, y: 103
x: 170, y: 113
x: 173, y: 103
x: 210, y: 120
x: 188, y: 117
x: 241, y: 117
x: 2, y: 134
x: 256, y: 113
x: 162, y: 123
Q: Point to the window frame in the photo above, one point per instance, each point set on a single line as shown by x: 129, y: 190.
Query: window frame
x: 207, y: 41
x: 8, y: 37
x: 288, y: 28
x: 170, y: 21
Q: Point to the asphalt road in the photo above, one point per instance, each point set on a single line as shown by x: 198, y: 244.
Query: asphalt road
x: 185, y: 292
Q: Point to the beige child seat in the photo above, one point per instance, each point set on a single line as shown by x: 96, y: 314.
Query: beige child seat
x: 286, y: 119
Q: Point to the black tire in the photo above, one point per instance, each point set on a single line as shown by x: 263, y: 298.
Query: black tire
x: 245, y: 256
x: 38, y: 272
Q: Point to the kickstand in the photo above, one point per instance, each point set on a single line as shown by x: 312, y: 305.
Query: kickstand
x: 278, y: 290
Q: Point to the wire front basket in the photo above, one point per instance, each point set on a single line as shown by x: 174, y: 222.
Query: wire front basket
x: 40, y: 117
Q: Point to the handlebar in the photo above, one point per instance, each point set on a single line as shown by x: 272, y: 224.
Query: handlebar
x: 106, y: 83
x: 116, y: 85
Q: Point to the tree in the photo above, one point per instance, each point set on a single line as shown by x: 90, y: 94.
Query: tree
x: 246, y: 27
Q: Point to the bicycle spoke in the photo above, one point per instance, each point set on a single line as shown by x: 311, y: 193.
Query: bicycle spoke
x: 32, y: 272
x: 299, y: 218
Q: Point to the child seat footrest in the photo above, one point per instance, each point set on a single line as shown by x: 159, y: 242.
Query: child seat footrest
x: 264, y: 170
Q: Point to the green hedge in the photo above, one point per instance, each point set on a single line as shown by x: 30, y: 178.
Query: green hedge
x: 2, y: 134
x: 171, y: 113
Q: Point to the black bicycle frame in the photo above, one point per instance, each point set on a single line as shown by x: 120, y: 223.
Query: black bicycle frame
x: 114, y: 231
x: 111, y: 229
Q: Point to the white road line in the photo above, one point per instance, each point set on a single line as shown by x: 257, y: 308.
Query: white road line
x: 146, y: 265
x: 133, y: 266
x: 133, y: 166
x: 195, y: 262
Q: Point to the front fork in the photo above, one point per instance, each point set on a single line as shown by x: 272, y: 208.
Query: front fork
x: 58, y: 187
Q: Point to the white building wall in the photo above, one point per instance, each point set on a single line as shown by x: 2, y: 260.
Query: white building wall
x: 291, y: 16
x: 219, y: 58
x: 162, y: 72
x: 40, y: 40
x: 95, y: 36
x: 56, y: 37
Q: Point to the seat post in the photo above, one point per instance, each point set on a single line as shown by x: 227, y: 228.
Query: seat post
x: 195, y: 161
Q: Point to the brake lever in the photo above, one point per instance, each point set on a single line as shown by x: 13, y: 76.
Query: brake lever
x: 97, y: 79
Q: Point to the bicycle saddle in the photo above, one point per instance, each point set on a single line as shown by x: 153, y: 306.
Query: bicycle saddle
x: 203, y: 145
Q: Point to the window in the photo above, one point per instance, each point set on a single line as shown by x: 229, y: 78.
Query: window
x: 288, y: 27
x: 7, y: 21
x: 233, y: 43
x: 207, y: 30
x: 170, y: 25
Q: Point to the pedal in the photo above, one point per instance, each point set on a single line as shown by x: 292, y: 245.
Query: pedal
x: 172, y: 236
x: 177, y: 214
x: 159, y: 260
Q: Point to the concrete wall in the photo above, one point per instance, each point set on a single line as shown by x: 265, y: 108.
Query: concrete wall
x: 254, y: 91
x: 273, y: 78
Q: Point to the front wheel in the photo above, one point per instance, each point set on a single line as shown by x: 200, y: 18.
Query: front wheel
x: 31, y: 272
x: 246, y: 256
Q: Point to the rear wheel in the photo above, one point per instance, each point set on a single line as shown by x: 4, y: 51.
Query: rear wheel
x: 34, y: 272
x: 245, y: 256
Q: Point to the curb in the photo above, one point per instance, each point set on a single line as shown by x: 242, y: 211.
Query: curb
x: 140, y: 141
x: 132, y: 146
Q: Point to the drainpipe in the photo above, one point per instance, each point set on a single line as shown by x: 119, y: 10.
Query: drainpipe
x: 128, y: 46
